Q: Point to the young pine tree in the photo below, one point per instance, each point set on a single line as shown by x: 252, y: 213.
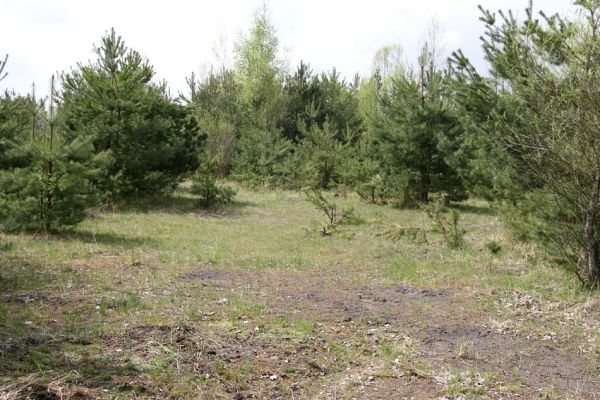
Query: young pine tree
x: 547, y: 75
x: 320, y: 156
x: 149, y: 141
x: 263, y: 158
x: 46, y: 183
x: 419, y: 135
x: 205, y: 186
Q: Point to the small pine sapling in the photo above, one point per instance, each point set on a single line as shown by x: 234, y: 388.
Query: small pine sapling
x: 455, y: 234
x: 449, y: 228
x: 335, y: 216
x: 372, y: 190
x: 493, y: 249
x: 205, y: 186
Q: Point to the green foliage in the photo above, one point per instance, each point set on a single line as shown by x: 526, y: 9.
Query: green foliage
x: 335, y: 216
x: 46, y: 177
x: 545, y: 116
x: 262, y: 158
x: 205, y: 186
x: 51, y: 192
x: 216, y: 103
x: 374, y: 190
x: 149, y: 141
x: 388, y: 188
x: 319, y: 99
x: 335, y: 103
x: 449, y: 227
x: 302, y: 91
x: 493, y: 247
x: 420, y: 134
x: 5, y: 246
x: 270, y: 129
x: 320, y: 156
x: 260, y: 71
x: 491, y: 170
x: 16, y: 121
x: 209, y: 192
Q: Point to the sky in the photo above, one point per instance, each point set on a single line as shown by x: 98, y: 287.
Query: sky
x: 179, y: 36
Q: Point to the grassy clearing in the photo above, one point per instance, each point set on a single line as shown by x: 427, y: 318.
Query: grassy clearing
x: 164, y: 299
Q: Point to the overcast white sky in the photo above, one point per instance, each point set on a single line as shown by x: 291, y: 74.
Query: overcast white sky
x: 177, y: 36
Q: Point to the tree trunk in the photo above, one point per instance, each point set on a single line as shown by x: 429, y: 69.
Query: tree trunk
x: 50, y: 161
x: 424, y: 186
x: 406, y: 199
x: 590, y: 241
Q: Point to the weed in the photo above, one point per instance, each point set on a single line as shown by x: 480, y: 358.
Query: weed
x: 468, y: 383
x: 221, y: 369
x: 404, y: 271
x: 549, y: 392
x: 123, y: 303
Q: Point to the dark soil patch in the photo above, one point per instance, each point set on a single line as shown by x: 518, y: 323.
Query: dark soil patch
x: 207, y: 274
x: 36, y: 390
x: 534, y: 362
x: 17, y: 349
x: 22, y: 298
x: 245, y: 364
x: 445, y: 338
x: 419, y: 293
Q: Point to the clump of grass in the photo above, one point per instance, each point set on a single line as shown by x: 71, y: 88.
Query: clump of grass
x: 124, y: 303
x: 462, y: 349
x: 405, y: 271
x: 159, y: 359
x: 469, y: 383
x: 240, y: 306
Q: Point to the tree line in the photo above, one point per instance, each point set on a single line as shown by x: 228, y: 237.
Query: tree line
x: 523, y: 135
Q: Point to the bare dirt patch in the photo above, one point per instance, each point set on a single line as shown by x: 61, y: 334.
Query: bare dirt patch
x: 244, y: 364
x: 208, y: 274
x: 451, y: 334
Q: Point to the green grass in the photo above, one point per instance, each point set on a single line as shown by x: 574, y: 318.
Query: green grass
x: 107, y: 303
